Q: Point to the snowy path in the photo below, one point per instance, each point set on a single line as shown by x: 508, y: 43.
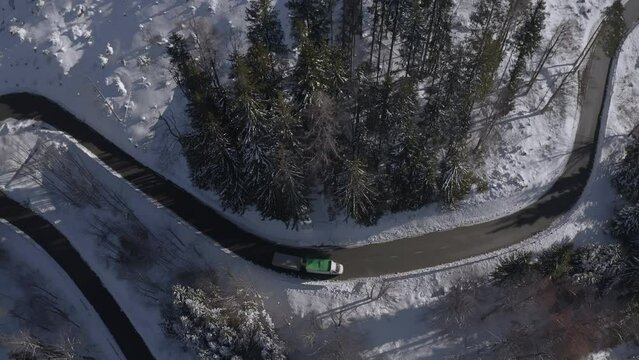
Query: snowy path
x: 370, y: 260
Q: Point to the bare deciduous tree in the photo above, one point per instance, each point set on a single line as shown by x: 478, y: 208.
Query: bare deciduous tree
x: 24, y: 345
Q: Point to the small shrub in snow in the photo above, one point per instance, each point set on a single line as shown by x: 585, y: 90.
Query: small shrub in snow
x: 514, y: 270
x: 555, y: 262
x: 215, y: 326
x: 25, y: 346
x: 626, y: 175
x: 626, y: 223
x: 597, y: 264
x: 461, y: 303
x: 143, y: 61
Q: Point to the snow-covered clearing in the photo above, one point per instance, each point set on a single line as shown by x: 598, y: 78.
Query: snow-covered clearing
x: 104, y: 61
x: 28, y: 276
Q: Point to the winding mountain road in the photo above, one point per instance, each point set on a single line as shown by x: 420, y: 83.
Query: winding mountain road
x: 369, y: 260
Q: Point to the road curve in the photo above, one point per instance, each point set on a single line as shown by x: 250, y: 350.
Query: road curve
x: 369, y: 260
x: 60, y: 249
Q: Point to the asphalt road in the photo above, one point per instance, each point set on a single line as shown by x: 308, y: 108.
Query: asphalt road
x: 369, y: 260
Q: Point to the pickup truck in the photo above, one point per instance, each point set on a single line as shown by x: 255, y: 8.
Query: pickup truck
x: 310, y: 265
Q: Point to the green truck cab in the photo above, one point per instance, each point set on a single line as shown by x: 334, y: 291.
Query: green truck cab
x: 309, y: 265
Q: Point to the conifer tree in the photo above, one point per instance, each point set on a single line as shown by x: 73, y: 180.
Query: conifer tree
x: 284, y: 197
x: 456, y: 175
x: 248, y: 118
x: 355, y: 193
x: 351, y: 27
x: 209, y: 148
x: 309, y: 73
x: 485, y: 46
x: 321, y: 139
x: 312, y: 17
x: 614, y: 28
x: 626, y: 224
x: 410, y: 171
x: 626, y: 174
x: 437, y: 39
x: 447, y: 113
x: 264, y: 28
x: 526, y: 41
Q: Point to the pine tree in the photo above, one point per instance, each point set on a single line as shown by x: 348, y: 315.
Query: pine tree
x: 210, y: 149
x: 266, y: 73
x: 484, y: 44
x: 355, y: 193
x: 215, y: 164
x: 556, y: 261
x: 351, y: 27
x: 614, y: 28
x: 514, y: 270
x: 526, y: 39
x: 456, y: 174
x: 528, y: 36
x: 336, y: 71
x: 284, y: 197
x: 215, y: 326
x: 378, y: 120
x: 312, y: 19
x: 626, y: 174
x: 626, y: 223
x: 264, y: 28
x: 447, y: 113
x: 409, y: 172
x: 309, y: 73
x: 321, y: 143
x: 599, y: 265
x: 412, y: 34
x: 252, y: 127
x: 437, y: 39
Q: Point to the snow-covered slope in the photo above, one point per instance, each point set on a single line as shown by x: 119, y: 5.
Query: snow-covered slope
x: 28, y: 265
x: 104, y: 60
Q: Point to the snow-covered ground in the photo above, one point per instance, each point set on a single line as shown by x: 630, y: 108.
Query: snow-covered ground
x: 104, y: 60
x: 27, y: 268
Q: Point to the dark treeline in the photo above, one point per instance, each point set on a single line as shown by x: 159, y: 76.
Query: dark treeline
x: 376, y: 119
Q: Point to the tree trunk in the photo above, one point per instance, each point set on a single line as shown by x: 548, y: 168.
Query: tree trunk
x: 381, y: 36
x: 546, y: 55
x: 375, y: 5
x: 394, y: 35
x: 584, y: 54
